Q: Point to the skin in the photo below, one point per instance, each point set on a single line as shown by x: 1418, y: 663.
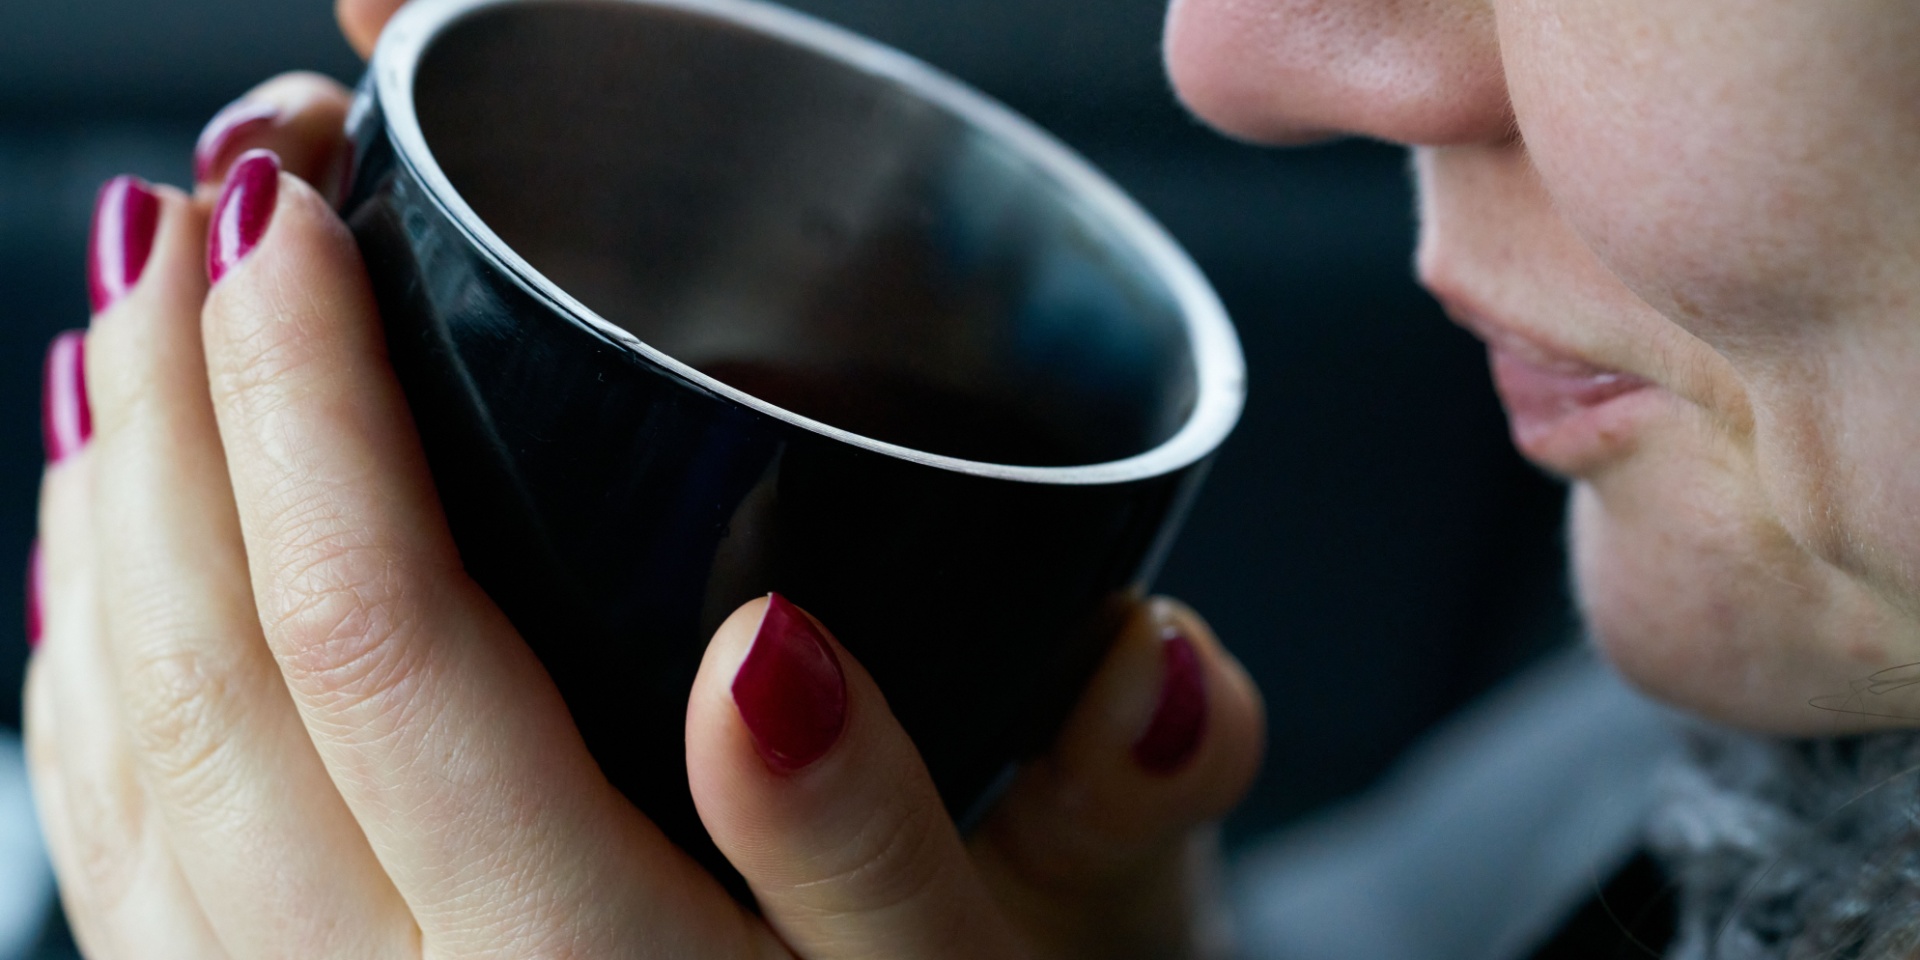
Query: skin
x: 1720, y: 197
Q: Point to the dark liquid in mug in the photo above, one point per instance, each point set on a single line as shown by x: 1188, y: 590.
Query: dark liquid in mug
x: 912, y: 413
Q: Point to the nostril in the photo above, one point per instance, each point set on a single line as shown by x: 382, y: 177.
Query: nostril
x: 1287, y: 71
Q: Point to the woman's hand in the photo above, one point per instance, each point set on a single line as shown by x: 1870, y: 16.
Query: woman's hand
x: 272, y: 716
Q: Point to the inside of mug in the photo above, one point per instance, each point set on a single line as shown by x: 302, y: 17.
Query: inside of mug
x: 810, y: 231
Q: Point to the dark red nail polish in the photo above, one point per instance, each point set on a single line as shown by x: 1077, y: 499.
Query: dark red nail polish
x: 245, y: 209
x: 1180, y: 720
x: 35, y: 586
x: 125, y: 218
x: 790, y: 690
x: 66, y: 419
x: 226, y: 131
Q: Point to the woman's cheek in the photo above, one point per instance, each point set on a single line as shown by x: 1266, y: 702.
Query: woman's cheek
x: 1836, y: 445
x: 1745, y: 167
x: 1710, y: 166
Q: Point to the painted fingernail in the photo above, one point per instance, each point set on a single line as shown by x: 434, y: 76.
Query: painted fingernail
x: 790, y: 690
x: 1180, y: 719
x: 125, y: 217
x: 228, y: 129
x: 34, y: 589
x: 243, y: 212
x: 66, y: 419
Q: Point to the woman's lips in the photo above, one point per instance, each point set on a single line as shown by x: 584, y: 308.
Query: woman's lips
x: 1542, y: 396
x: 1565, y: 414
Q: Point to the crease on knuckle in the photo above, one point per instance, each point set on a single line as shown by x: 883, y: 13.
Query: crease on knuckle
x: 181, y: 706
x: 892, y: 861
x: 339, y: 621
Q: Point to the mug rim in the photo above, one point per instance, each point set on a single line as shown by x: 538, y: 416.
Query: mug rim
x: 1219, y: 365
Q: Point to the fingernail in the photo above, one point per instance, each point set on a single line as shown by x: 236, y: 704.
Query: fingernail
x: 66, y: 419
x: 790, y: 691
x: 243, y: 212
x: 125, y: 218
x: 227, y: 130
x: 34, y: 589
x: 1180, y: 719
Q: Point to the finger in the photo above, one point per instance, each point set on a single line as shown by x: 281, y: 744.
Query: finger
x: 362, y: 20
x: 256, y: 823
x: 67, y: 425
x: 815, y: 793
x: 117, y: 871
x: 301, y: 117
x: 1094, y: 844
x: 441, y: 730
x: 41, y: 738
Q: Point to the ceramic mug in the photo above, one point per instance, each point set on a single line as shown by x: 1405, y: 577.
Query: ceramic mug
x: 695, y: 300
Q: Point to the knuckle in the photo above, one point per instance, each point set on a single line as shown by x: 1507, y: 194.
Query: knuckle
x: 181, y: 706
x: 336, y: 614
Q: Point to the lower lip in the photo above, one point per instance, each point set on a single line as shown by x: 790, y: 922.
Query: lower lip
x: 1565, y: 415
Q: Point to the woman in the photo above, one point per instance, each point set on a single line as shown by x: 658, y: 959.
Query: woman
x: 1687, y: 231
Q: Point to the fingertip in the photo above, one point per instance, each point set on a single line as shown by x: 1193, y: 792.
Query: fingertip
x: 1166, y: 737
x: 773, y: 760
x: 273, y: 235
x: 238, y: 126
x: 771, y: 698
x: 66, y: 409
x: 735, y: 637
x: 790, y: 691
x: 300, y: 116
x: 1227, y: 753
x: 362, y: 20
x: 816, y: 795
x: 140, y: 231
x: 244, y: 212
x: 164, y: 300
x: 766, y: 792
x: 1179, y: 722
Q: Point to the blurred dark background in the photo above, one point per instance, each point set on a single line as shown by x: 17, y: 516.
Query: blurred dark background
x: 1369, y: 544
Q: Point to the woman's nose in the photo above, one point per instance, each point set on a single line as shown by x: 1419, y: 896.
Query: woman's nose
x: 1283, y: 71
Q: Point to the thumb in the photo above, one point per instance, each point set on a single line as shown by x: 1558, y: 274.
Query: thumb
x: 817, y: 796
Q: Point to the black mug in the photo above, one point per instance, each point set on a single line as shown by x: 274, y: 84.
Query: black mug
x: 695, y: 300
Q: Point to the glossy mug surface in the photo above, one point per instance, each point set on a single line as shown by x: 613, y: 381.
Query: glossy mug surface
x: 695, y: 300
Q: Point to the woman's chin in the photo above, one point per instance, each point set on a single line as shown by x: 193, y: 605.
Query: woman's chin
x: 1722, y: 616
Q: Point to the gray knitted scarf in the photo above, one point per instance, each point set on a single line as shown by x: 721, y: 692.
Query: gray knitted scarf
x: 1794, y: 849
